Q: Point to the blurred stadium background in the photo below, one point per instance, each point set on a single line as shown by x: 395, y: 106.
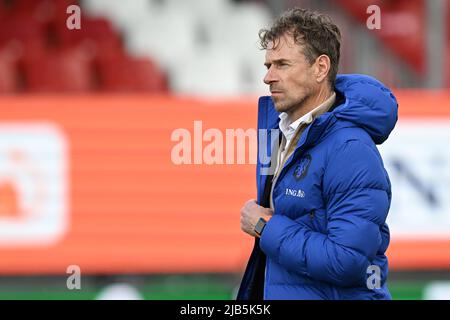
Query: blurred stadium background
x: 86, y: 118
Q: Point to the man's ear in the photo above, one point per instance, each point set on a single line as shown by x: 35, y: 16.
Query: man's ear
x: 323, y: 65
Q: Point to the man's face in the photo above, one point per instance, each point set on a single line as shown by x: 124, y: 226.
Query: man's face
x: 289, y: 75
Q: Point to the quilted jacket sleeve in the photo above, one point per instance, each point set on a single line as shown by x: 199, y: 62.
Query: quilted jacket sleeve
x: 357, y: 195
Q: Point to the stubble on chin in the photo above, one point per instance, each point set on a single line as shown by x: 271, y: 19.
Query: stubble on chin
x: 290, y: 106
x: 277, y: 105
x: 281, y: 106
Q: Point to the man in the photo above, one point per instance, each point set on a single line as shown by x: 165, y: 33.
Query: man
x: 319, y: 219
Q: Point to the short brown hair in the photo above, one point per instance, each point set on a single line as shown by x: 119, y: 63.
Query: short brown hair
x: 315, y: 31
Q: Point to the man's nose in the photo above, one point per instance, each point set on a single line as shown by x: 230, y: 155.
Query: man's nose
x: 270, y: 76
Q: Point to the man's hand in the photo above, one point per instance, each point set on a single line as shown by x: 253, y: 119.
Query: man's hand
x: 250, y: 214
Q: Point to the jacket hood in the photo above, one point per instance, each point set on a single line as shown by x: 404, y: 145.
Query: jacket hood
x: 366, y: 103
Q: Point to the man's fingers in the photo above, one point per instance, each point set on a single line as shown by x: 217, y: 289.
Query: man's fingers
x: 247, y: 205
x: 250, y: 202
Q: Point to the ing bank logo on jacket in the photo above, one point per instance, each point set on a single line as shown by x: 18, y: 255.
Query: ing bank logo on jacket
x: 299, y: 193
x: 302, y: 168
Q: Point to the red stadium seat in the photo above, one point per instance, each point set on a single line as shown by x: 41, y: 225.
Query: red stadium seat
x: 26, y: 8
x: 402, y: 27
x: 61, y: 72
x: 23, y: 32
x: 447, y: 67
x: 124, y: 74
x: 3, y: 11
x: 45, y: 11
x: 358, y: 7
x: 8, y: 72
x: 97, y: 34
x: 32, y: 27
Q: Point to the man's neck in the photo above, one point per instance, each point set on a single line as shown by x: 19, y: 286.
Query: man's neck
x: 310, y: 104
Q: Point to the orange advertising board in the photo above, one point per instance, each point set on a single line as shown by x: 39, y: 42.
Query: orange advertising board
x: 93, y: 181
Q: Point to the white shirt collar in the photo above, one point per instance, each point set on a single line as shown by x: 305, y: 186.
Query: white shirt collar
x: 288, y: 129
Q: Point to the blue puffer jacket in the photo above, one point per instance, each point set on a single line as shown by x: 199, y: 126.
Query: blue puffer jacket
x: 330, y: 200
